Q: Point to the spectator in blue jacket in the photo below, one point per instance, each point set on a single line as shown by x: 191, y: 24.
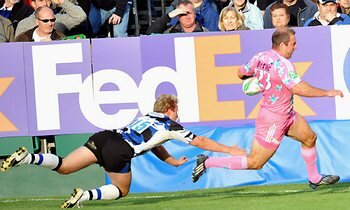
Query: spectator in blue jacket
x: 253, y: 18
x: 116, y: 12
x: 206, y: 15
x: 327, y: 15
x: 187, y: 22
x: 300, y: 11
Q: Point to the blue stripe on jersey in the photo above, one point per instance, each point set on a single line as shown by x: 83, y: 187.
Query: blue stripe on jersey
x: 143, y: 128
x: 99, y: 194
x: 41, y: 159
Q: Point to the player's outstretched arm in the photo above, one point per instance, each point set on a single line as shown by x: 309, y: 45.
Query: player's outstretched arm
x: 307, y: 90
x: 211, y: 145
x: 164, y: 155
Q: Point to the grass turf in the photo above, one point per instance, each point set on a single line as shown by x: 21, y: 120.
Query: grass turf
x: 281, y: 197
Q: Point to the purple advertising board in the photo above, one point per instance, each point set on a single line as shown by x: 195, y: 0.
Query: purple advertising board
x: 13, y: 103
x: 82, y: 87
x: 55, y: 74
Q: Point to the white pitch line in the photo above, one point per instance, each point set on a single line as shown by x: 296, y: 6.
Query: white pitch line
x: 161, y: 196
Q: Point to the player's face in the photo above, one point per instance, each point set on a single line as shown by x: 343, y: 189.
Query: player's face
x: 290, y: 47
x: 327, y: 9
x: 173, y: 114
x: 279, y: 18
x: 230, y: 21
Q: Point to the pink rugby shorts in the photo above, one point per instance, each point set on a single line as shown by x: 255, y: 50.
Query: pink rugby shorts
x: 271, y: 127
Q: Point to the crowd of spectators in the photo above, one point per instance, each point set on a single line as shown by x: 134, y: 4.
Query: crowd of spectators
x: 20, y: 20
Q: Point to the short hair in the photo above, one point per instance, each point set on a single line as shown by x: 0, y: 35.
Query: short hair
x: 38, y: 10
x: 280, y: 6
x: 224, y: 11
x: 165, y: 102
x: 185, y: 3
x: 281, y: 35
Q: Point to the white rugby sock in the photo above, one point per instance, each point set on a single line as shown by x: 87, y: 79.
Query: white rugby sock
x: 106, y: 192
x: 26, y: 160
x: 46, y: 160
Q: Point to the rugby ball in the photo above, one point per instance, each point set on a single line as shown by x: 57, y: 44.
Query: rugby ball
x: 251, y: 86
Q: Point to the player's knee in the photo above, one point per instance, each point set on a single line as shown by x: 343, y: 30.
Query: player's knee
x: 63, y: 171
x: 310, y: 142
x: 254, y: 164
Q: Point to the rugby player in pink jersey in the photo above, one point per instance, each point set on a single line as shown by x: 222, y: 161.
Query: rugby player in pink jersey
x: 276, y: 118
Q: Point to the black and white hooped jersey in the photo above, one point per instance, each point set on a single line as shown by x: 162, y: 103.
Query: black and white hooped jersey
x: 152, y: 130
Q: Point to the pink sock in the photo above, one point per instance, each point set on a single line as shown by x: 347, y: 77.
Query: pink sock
x: 233, y: 162
x: 310, y: 157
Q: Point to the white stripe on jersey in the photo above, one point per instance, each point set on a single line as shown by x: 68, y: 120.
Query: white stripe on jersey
x: 162, y: 136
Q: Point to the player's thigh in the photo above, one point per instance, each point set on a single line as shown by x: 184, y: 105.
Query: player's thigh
x: 121, y: 180
x: 259, y: 155
x: 76, y: 160
x: 301, y: 131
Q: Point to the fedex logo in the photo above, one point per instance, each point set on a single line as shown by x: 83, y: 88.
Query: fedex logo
x: 195, y: 78
x: 68, y: 93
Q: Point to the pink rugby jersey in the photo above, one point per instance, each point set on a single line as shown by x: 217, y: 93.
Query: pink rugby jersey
x: 276, y: 76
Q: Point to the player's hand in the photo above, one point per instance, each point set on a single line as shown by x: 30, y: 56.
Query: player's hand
x: 181, y: 161
x: 114, y: 19
x: 333, y: 93
x: 178, y: 12
x: 237, y: 151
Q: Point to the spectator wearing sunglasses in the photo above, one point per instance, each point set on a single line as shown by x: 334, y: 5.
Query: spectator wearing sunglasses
x: 68, y: 18
x: 44, y: 29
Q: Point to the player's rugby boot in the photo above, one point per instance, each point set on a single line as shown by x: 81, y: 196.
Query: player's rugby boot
x: 73, y: 201
x: 200, y: 169
x: 326, y: 180
x: 14, y: 159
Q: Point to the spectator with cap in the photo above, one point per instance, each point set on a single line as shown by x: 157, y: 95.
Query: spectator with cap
x: 44, y: 31
x: 280, y: 15
x: 327, y: 15
x: 300, y: 11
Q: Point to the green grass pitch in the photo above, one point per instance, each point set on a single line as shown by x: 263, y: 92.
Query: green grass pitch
x: 278, y: 197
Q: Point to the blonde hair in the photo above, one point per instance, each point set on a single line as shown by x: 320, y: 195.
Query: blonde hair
x: 165, y: 102
x: 224, y: 11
